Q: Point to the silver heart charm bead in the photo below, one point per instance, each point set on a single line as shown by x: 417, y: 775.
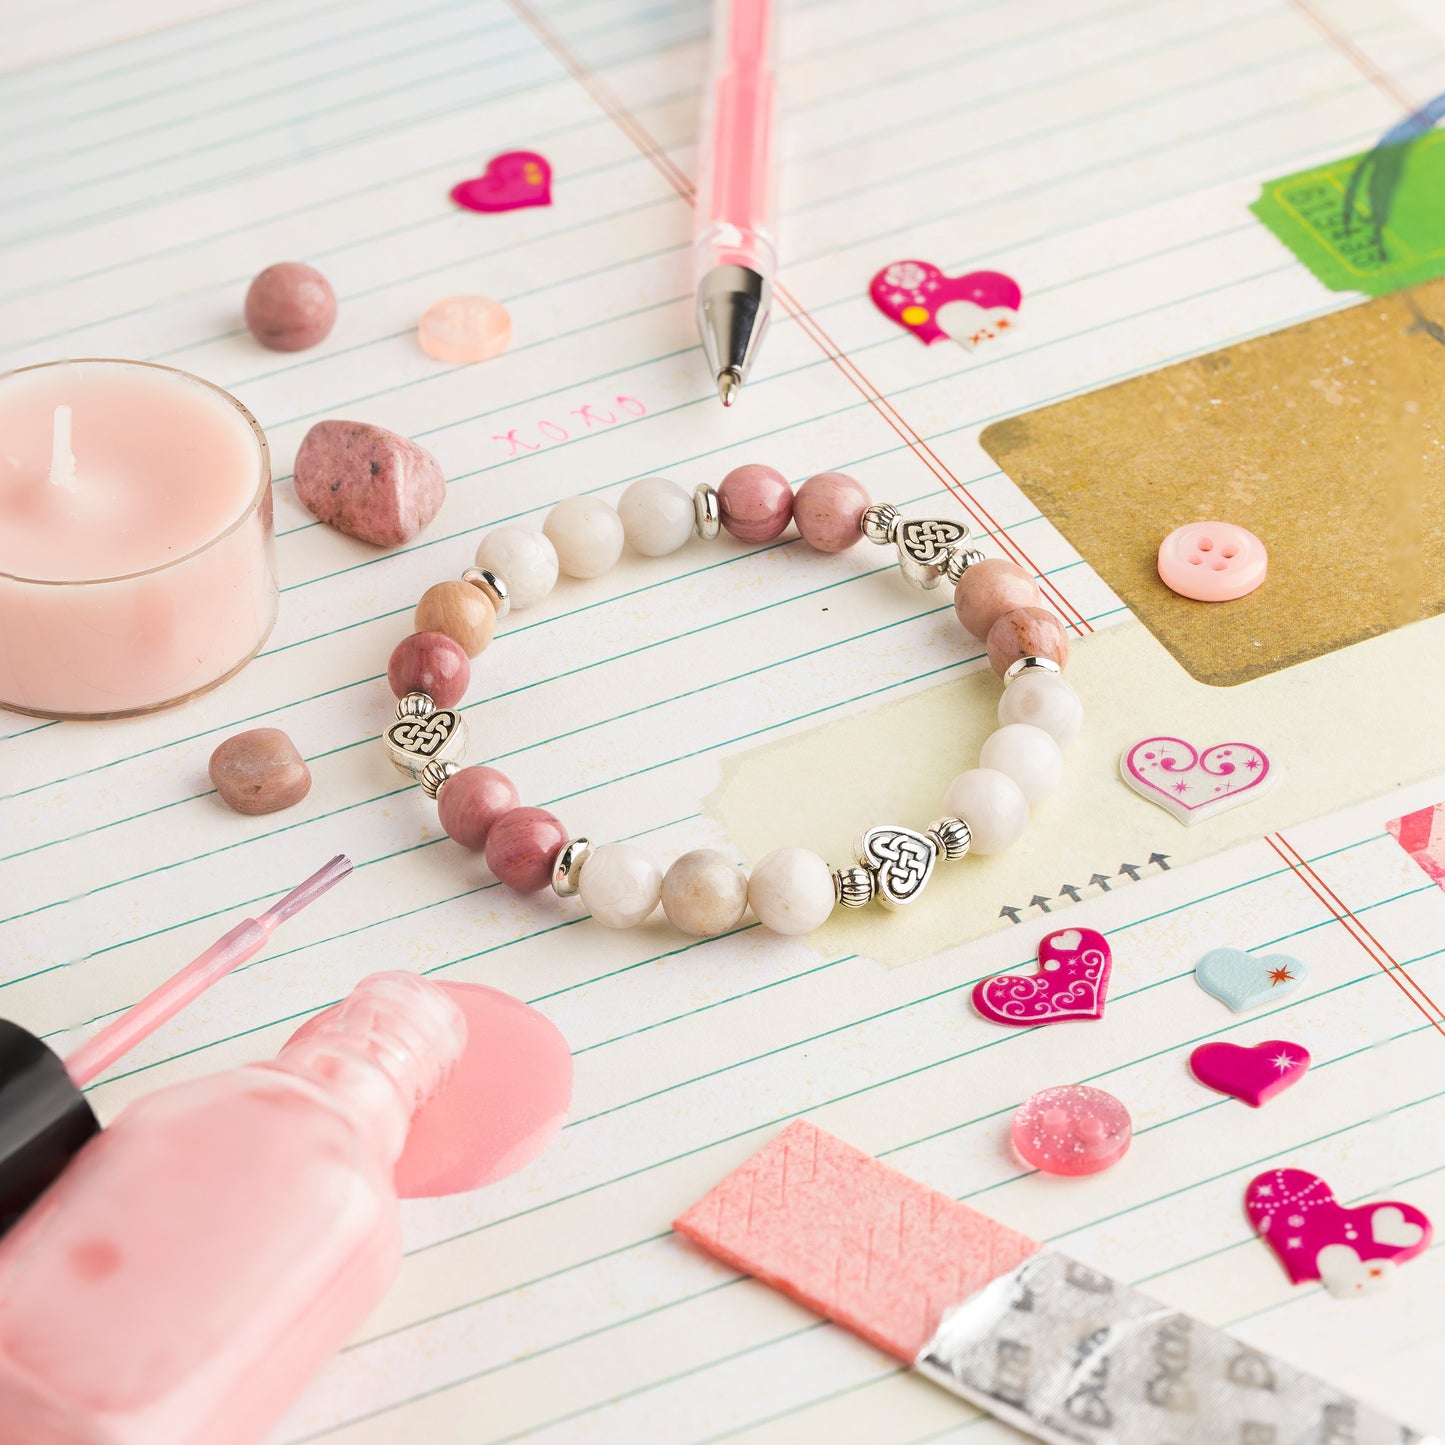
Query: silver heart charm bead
x: 413, y: 742
x: 900, y: 859
x: 924, y: 547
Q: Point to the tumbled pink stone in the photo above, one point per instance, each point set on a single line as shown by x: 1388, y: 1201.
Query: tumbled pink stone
x: 1026, y: 632
x: 368, y: 482
x: 522, y: 847
x: 259, y: 771
x: 290, y: 306
x: 828, y: 508
x: 433, y: 663
x: 988, y: 590
x: 472, y: 800
x: 755, y: 503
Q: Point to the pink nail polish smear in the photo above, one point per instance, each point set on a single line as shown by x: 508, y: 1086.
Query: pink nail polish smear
x: 197, y: 1262
x: 505, y: 1103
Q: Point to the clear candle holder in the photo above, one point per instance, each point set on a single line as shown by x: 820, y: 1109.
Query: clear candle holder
x: 163, y: 462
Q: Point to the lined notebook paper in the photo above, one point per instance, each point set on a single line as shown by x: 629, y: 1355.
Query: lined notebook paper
x: 1104, y: 153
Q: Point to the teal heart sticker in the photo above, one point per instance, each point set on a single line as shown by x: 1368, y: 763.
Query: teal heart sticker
x: 1246, y: 980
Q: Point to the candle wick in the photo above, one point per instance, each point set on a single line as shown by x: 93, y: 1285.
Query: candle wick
x: 62, y: 458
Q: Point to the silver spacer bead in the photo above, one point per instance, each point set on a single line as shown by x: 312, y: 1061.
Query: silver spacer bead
x: 853, y: 887
x: 707, y: 513
x: 879, y: 522
x: 567, y: 870
x: 1016, y: 670
x: 415, y: 704
x: 951, y: 836
x: 434, y: 776
x: 959, y: 561
x: 492, y: 587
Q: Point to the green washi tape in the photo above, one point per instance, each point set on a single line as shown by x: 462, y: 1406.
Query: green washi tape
x: 1373, y: 222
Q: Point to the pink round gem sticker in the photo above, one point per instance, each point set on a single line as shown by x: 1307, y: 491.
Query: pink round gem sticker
x: 1072, y: 1129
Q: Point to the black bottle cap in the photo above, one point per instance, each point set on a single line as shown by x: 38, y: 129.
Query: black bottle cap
x: 44, y: 1120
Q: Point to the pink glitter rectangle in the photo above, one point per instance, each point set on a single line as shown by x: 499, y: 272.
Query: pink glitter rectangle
x: 1422, y: 835
x: 851, y: 1238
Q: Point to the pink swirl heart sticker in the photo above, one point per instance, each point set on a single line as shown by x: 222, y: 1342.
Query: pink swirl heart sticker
x: 511, y: 180
x: 1070, y: 982
x: 971, y: 309
x: 1195, y: 785
x: 1350, y: 1251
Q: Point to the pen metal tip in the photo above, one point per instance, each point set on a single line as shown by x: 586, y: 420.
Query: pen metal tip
x: 728, y: 383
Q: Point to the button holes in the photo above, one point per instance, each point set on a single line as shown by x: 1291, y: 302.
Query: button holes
x: 1221, y: 565
x: 1229, y: 551
x: 1206, y: 544
x: 1195, y: 561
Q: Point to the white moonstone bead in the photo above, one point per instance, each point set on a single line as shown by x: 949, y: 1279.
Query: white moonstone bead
x: 993, y: 806
x: 791, y: 891
x: 1028, y: 755
x: 704, y: 893
x: 587, y: 534
x: 658, y: 517
x: 525, y: 560
x: 1045, y: 700
x: 620, y: 885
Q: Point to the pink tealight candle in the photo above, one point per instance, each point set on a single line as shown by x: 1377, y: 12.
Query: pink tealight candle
x: 136, y: 553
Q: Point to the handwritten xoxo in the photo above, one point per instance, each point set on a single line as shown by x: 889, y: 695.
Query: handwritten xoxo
x: 551, y: 432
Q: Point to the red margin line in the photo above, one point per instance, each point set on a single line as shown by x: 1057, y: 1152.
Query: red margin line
x: 651, y: 149
x: 1355, y: 56
x: 1379, y: 954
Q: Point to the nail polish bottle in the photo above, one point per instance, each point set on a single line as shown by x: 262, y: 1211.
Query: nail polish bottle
x: 197, y: 1261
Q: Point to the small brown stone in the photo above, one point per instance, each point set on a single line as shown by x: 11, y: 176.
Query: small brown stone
x: 290, y: 306
x: 368, y: 482
x: 459, y: 610
x: 259, y: 771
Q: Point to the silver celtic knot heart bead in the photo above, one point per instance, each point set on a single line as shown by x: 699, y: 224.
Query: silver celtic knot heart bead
x: 900, y: 859
x: 924, y: 547
x: 413, y: 742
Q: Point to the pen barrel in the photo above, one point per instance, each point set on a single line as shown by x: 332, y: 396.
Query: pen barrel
x: 736, y: 204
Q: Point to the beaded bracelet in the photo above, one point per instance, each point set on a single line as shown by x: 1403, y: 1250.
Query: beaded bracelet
x: 704, y: 893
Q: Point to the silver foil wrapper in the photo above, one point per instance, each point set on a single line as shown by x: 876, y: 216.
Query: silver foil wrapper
x: 1066, y: 1354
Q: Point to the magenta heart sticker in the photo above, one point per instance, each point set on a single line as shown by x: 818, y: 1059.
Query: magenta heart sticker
x: 1253, y: 1075
x: 921, y: 299
x: 510, y: 181
x: 1195, y: 785
x: 1350, y: 1251
x: 1070, y: 982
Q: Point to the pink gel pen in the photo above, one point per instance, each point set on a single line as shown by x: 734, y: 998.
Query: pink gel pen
x: 735, y: 245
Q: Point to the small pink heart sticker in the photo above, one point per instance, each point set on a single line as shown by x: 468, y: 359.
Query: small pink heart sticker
x: 1252, y: 1075
x: 510, y: 181
x: 1350, y: 1251
x: 1070, y: 982
x: 971, y: 309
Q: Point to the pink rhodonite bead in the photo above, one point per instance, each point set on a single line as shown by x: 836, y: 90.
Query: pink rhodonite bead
x: 828, y: 508
x: 755, y: 503
x: 1026, y: 632
x: 522, y: 847
x: 988, y: 590
x: 471, y: 801
x: 430, y: 662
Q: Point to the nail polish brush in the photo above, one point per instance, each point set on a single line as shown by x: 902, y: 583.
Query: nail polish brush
x: 44, y: 1117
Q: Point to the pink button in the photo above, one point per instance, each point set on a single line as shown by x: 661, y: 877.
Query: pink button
x: 1212, y: 561
x: 1072, y: 1129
